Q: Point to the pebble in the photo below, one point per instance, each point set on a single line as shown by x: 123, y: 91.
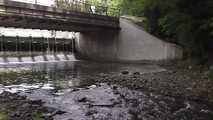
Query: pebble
x: 211, y: 68
x: 1, y: 91
x: 125, y: 72
x: 136, y: 73
x: 47, y: 87
x: 92, y: 86
x: 83, y: 99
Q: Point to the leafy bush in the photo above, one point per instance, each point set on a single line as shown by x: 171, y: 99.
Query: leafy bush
x: 4, y: 116
x: 188, y: 23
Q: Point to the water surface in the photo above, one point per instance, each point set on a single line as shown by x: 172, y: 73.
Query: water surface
x: 70, y: 86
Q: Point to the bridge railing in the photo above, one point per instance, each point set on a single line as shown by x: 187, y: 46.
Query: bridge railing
x: 17, y: 14
x: 82, y: 6
x: 76, y: 5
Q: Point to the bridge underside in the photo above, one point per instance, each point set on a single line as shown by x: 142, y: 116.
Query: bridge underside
x: 24, y: 15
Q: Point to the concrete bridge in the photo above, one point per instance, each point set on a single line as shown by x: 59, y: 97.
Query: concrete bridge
x: 78, y: 19
x: 101, y: 37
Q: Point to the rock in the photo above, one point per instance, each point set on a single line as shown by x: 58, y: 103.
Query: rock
x: 136, y: 73
x: 125, y: 72
x: 59, y: 112
x: 115, y: 87
x: 83, y: 99
x: 92, y: 86
x: 211, y: 68
x: 39, y: 102
x: 91, y: 112
x: 25, y: 105
x: 75, y: 90
x: 56, y: 112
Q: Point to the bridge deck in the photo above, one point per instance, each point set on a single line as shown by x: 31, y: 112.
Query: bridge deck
x: 25, y: 15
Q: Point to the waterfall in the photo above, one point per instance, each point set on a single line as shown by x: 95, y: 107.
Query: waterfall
x: 15, y: 50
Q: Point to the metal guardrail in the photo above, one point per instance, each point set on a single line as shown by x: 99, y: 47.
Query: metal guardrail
x: 19, y: 12
x: 80, y: 6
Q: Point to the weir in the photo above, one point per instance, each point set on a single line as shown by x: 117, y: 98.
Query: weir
x: 79, y: 17
x: 35, y: 49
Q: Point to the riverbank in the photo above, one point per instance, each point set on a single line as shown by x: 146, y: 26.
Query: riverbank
x: 180, y: 80
x: 15, y: 107
x: 99, y: 91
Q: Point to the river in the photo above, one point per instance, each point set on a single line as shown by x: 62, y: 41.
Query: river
x: 71, y: 87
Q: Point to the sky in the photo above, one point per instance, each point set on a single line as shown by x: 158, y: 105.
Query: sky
x: 34, y: 33
x: 41, y: 2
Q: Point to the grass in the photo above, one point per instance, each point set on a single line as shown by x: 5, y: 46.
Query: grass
x: 204, y: 88
x: 4, y: 116
x: 210, y: 75
x: 37, y: 116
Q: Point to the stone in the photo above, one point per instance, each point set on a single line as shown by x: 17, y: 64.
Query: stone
x: 83, y: 99
x: 92, y: 86
x: 125, y: 72
x: 136, y: 73
x: 211, y: 68
x: 114, y: 87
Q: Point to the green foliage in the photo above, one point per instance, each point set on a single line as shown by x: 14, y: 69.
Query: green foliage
x: 4, y: 116
x: 132, y: 7
x: 112, y: 6
x: 73, y: 5
x: 37, y: 116
x: 210, y: 75
x: 188, y: 23
x: 102, y: 7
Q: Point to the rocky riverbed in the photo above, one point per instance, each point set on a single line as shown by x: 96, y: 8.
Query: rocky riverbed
x: 15, y: 107
x: 129, y: 92
x: 178, y: 80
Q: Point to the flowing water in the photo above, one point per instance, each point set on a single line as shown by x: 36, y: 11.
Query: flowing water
x: 70, y: 86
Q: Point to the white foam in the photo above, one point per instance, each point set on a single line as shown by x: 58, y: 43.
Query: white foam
x: 47, y: 87
x: 37, y: 59
x: 13, y: 59
x: 27, y: 59
x: 50, y: 58
x: 24, y: 87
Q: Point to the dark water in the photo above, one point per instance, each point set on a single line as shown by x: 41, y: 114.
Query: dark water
x: 70, y: 87
x: 74, y: 71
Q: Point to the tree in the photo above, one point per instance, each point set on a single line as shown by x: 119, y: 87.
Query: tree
x: 185, y: 22
x: 102, y: 7
x: 112, y: 7
x: 132, y: 7
x: 188, y: 23
x: 76, y: 5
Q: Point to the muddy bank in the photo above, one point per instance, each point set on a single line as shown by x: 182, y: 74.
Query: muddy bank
x: 15, y: 107
x: 179, y: 80
x: 108, y: 92
x: 103, y: 102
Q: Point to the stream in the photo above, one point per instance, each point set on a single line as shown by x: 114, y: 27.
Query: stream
x: 70, y: 87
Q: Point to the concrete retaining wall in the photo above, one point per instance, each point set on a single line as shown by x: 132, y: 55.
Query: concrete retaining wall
x: 131, y: 43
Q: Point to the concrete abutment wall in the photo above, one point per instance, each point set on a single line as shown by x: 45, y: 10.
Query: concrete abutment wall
x: 131, y: 43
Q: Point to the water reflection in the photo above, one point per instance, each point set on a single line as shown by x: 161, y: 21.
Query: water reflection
x: 65, y: 74
x: 70, y: 87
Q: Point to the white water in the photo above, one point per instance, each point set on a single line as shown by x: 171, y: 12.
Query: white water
x: 37, y: 59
